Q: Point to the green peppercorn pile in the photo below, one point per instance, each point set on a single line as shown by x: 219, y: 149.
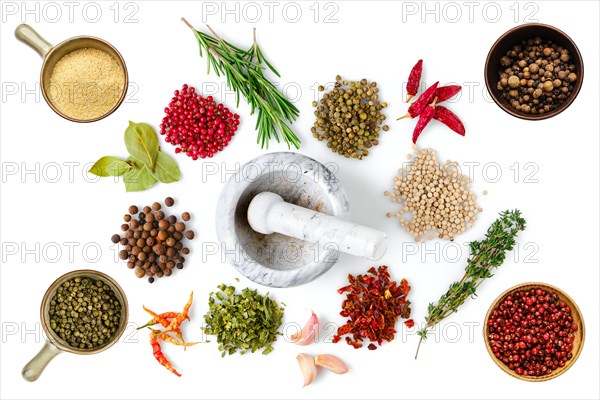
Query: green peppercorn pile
x: 85, y: 313
x: 349, y: 117
x: 243, y: 322
x: 537, y: 76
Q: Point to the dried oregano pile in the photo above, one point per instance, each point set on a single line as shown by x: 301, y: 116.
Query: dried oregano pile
x: 437, y: 196
x: 242, y: 322
x: 349, y: 117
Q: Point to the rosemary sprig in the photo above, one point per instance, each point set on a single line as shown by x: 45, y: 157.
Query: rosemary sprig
x: 244, y: 72
x: 484, y: 256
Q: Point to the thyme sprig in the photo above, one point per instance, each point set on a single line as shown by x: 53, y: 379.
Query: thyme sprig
x: 484, y: 257
x: 244, y: 72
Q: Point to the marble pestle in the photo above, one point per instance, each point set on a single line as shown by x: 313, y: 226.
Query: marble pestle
x: 269, y: 213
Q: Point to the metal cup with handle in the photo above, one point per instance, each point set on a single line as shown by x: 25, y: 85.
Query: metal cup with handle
x: 54, y: 344
x: 52, y: 54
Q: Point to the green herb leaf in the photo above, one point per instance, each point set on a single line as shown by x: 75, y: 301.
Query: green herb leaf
x: 139, y: 178
x: 165, y: 169
x: 142, y: 143
x: 242, y: 321
x: 109, y: 166
x: 485, y: 256
x: 243, y: 71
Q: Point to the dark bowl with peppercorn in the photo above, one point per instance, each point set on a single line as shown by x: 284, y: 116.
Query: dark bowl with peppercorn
x: 546, y: 322
x: 534, y: 71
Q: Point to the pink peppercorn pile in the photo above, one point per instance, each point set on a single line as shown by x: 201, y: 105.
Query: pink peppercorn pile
x: 197, y: 126
x: 532, y: 332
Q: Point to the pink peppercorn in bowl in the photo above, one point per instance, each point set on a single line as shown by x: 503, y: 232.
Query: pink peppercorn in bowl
x: 532, y: 339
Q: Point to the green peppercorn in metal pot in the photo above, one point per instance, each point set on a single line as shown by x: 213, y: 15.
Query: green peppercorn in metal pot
x: 82, y: 312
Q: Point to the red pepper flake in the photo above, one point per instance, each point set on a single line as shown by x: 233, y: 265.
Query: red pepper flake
x: 409, y: 323
x: 344, y: 289
x: 373, y: 304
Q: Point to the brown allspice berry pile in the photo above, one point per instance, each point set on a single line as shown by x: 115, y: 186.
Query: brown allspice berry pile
x: 436, y: 198
x: 537, y: 76
x: 153, y: 241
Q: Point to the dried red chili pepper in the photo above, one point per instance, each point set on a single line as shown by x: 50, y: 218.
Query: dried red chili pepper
x: 164, y: 319
x: 424, y: 119
x: 373, y: 304
x: 178, y: 320
x: 414, y: 80
x: 175, y: 325
x: 419, y: 105
x: 172, y: 322
x: 449, y: 119
x: 444, y: 93
x: 158, y: 354
x: 409, y: 323
x: 165, y: 337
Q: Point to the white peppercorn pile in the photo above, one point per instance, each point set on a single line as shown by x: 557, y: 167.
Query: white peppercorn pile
x: 436, y: 198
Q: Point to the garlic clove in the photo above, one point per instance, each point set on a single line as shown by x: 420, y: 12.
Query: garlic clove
x: 308, y: 368
x: 332, y: 363
x: 308, y: 333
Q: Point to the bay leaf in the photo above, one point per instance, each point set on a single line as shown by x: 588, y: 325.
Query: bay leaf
x: 142, y: 143
x: 109, y: 166
x: 165, y: 169
x: 139, y: 178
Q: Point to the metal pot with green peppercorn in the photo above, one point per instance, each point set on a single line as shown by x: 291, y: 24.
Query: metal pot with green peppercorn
x: 83, y: 312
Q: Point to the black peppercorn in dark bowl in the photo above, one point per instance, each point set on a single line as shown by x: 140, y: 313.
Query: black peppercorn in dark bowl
x: 534, y: 71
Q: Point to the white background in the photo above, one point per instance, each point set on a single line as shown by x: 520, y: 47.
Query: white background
x: 377, y: 40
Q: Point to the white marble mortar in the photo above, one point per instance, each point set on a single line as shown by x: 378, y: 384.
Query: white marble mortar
x: 276, y: 260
